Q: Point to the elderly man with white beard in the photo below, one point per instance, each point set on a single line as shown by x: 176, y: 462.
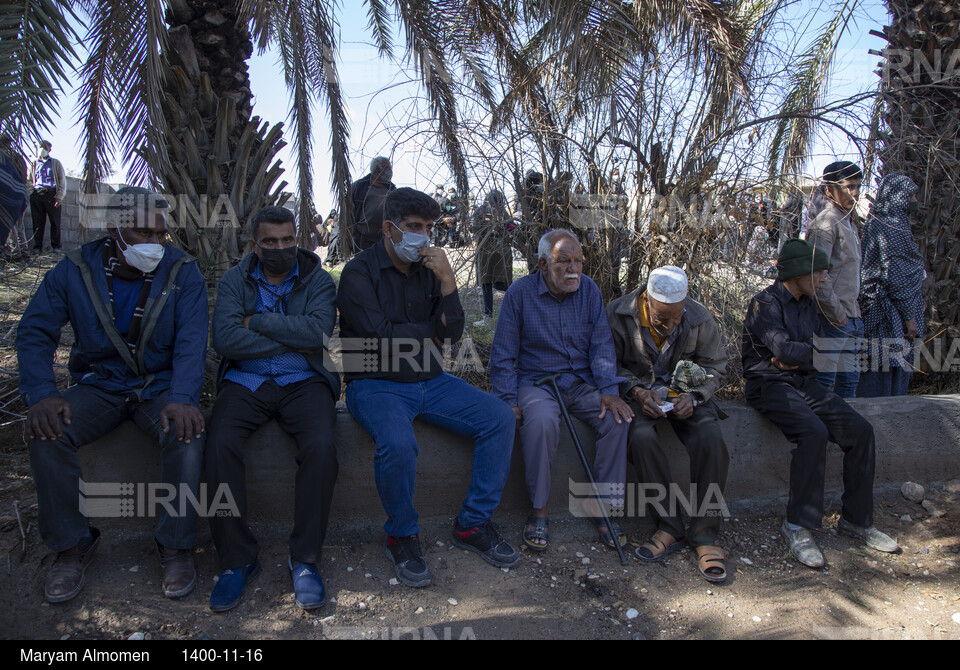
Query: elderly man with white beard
x: 553, y: 321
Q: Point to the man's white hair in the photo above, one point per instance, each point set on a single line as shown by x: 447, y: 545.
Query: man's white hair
x: 550, y: 239
x: 379, y: 163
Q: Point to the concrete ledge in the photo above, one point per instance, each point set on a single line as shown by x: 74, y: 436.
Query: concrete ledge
x: 918, y: 438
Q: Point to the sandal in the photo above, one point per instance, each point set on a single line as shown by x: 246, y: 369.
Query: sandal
x: 658, y: 547
x: 711, y: 563
x: 538, y: 532
x: 605, y: 534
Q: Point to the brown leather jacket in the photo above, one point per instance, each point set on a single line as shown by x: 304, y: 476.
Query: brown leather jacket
x: 700, y: 343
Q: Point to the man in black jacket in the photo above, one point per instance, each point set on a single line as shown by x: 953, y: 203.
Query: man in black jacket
x: 779, y: 367
x: 368, y: 194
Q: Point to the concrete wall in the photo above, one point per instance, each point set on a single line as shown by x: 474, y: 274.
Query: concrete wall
x: 72, y: 233
x: 918, y: 438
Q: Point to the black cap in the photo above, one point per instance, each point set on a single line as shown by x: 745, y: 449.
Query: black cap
x: 838, y: 171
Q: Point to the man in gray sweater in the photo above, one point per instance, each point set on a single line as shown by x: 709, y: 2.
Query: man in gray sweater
x: 274, y: 314
x: 834, y: 232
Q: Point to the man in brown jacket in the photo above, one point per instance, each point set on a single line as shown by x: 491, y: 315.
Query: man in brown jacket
x: 669, y: 350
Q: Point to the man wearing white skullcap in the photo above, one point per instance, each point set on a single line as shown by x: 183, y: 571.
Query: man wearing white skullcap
x: 670, y: 352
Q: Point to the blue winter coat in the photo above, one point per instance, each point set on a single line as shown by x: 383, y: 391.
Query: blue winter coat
x: 175, y: 353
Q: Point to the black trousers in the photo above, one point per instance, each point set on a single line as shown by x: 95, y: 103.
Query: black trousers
x: 709, y: 462
x: 306, y: 411
x: 41, y: 207
x: 810, y: 416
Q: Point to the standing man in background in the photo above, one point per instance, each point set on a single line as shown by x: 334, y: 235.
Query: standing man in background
x: 834, y: 232
x: 46, y: 197
x: 368, y: 194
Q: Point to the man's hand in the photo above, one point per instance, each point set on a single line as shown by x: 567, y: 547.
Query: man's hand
x: 910, y: 329
x: 649, y: 402
x: 246, y: 321
x: 683, y: 406
x: 56, y: 202
x: 187, y: 421
x: 516, y: 410
x: 621, y: 411
x: 435, y: 260
x: 784, y: 366
x: 43, y: 418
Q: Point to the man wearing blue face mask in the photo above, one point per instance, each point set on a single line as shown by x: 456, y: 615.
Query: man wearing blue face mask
x: 139, y: 314
x: 398, y: 304
x: 274, y: 314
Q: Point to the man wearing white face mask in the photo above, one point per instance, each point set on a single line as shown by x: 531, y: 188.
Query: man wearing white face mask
x: 139, y: 313
x: 46, y: 196
x: 398, y: 304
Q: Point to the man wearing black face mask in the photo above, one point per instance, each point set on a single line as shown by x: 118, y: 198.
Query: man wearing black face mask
x: 273, y: 316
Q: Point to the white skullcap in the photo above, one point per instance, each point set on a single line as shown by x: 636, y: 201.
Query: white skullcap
x: 667, y: 284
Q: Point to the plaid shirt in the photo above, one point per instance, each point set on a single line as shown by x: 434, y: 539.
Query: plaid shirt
x: 286, y: 368
x: 538, y: 334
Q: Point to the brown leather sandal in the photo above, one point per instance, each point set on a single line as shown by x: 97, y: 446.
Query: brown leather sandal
x: 711, y: 563
x: 658, y: 547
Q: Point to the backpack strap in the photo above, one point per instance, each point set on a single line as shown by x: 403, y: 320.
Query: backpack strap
x: 151, y: 310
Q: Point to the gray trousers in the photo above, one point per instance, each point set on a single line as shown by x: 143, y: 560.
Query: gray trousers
x: 56, y: 467
x: 709, y: 461
x: 540, y: 436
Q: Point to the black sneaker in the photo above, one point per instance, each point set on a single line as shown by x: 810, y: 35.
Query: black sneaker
x: 405, y: 553
x: 485, y: 540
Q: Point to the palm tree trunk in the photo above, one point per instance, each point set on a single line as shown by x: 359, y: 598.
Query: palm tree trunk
x: 221, y: 161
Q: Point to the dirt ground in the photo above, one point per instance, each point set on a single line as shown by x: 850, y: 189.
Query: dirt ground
x: 576, y: 590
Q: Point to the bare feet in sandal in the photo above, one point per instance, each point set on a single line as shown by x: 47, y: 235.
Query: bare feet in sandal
x: 658, y: 547
x: 711, y: 563
x: 535, y: 533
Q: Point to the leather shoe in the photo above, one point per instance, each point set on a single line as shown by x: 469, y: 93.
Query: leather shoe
x: 229, y: 588
x: 870, y: 536
x: 802, y: 546
x: 307, y: 585
x: 65, y: 577
x: 179, y: 575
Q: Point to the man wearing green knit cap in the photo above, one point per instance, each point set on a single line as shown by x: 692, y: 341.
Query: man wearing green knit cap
x: 779, y: 368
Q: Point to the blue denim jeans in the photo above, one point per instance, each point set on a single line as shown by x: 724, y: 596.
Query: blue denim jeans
x: 56, y: 467
x: 386, y: 410
x: 841, y: 374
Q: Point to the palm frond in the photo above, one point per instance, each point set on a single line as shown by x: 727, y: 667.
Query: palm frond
x: 299, y: 68
x: 794, y: 135
x: 425, y: 48
x: 325, y: 31
x: 95, y: 113
x: 380, y: 26
x: 35, y: 57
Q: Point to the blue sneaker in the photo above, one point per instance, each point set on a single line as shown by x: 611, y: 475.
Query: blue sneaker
x: 307, y: 585
x: 229, y: 588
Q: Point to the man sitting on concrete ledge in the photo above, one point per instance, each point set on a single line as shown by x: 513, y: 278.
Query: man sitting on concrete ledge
x: 670, y: 352
x: 398, y: 304
x: 273, y: 316
x: 781, y: 383
x: 554, y: 321
x: 138, y: 310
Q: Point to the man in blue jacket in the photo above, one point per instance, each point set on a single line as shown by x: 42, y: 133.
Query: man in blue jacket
x: 273, y: 316
x: 138, y: 310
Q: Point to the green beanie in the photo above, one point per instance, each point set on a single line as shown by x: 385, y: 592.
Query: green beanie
x: 799, y: 257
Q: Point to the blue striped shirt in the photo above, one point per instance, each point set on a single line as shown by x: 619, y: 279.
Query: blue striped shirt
x: 538, y: 334
x: 283, y: 369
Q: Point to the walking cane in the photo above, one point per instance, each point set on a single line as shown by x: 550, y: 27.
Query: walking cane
x: 552, y: 380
